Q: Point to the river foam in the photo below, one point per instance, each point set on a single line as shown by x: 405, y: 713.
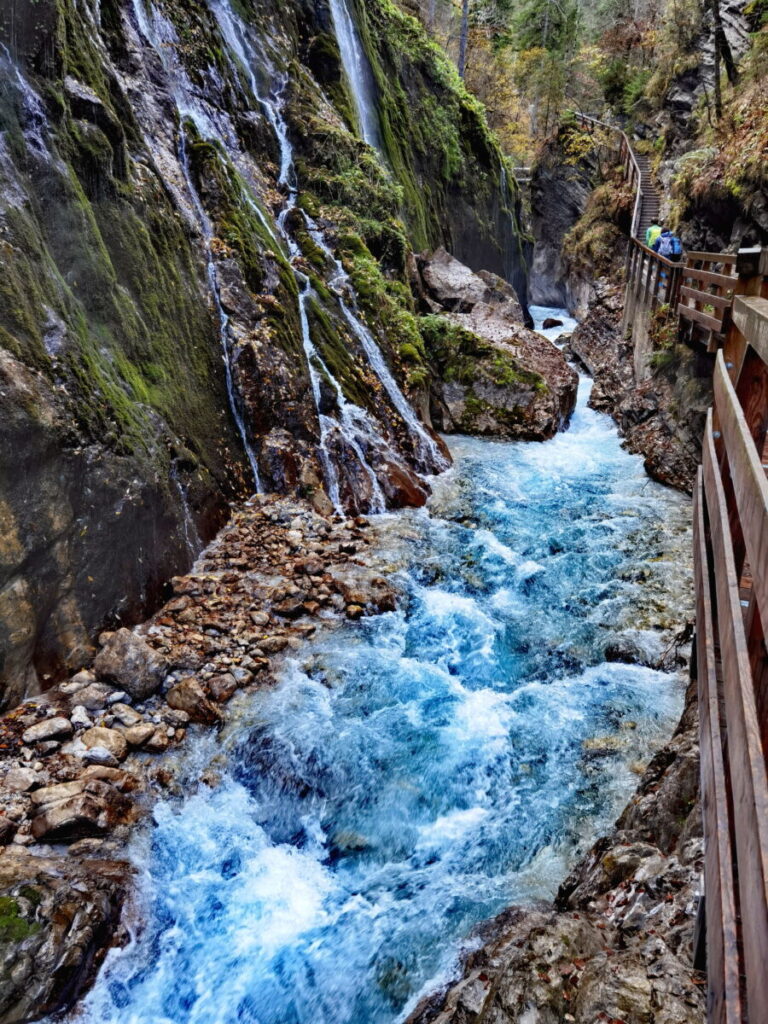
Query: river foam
x: 414, y: 773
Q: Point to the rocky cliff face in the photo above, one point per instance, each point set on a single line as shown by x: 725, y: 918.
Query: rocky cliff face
x: 661, y: 416
x: 204, y: 287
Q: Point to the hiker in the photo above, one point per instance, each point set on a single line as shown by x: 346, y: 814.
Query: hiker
x: 668, y: 245
x: 652, y: 234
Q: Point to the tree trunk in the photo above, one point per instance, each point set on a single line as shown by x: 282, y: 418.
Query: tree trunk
x: 431, y: 12
x: 464, y: 37
x: 722, y: 46
x: 718, y: 91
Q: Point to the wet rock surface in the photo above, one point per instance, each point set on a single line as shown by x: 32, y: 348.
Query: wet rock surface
x: 497, y: 378
x: 58, y: 916
x: 79, y: 765
x: 662, y: 417
x: 616, y: 945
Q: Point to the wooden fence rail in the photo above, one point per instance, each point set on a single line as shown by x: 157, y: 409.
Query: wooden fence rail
x: 731, y: 563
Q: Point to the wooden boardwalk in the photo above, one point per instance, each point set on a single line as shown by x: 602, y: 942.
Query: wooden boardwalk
x: 731, y: 664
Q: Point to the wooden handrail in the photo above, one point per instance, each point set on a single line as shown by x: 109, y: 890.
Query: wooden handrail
x: 731, y: 580
x: 626, y: 148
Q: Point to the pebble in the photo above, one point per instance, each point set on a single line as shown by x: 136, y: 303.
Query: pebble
x: 20, y: 780
x: 80, y: 717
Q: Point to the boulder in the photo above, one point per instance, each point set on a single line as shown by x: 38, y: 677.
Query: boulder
x: 137, y: 735
x: 455, y: 288
x: 129, y: 662
x: 60, y: 915
x: 49, y: 729
x: 20, y: 780
x: 93, y: 697
x: 222, y: 687
x: 189, y: 696
x: 106, y: 739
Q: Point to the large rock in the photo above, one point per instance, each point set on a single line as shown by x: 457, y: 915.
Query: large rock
x: 108, y: 739
x: 87, y: 806
x: 497, y: 377
x: 453, y: 287
x: 189, y: 696
x: 49, y: 729
x: 58, y: 916
x: 129, y: 662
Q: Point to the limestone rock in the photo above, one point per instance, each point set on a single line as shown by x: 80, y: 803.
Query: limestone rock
x: 130, y: 663
x: 20, y: 780
x: 60, y: 914
x: 189, y: 696
x: 222, y: 687
x: 137, y: 735
x: 48, y: 729
x: 108, y: 739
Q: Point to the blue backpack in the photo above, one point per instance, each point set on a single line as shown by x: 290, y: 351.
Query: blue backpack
x: 670, y: 245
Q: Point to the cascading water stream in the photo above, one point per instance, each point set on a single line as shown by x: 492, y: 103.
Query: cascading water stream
x: 358, y: 72
x: 412, y: 774
x: 207, y: 232
x: 159, y: 34
x: 354, y: 424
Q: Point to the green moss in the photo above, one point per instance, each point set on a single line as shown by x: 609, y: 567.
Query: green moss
x: 14, y: 927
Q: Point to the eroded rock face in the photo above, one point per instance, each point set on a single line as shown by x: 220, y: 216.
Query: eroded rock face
x: 497, y: 378
x: 559, y: 193
x: 114, y: 394
x: 57, y: 917
x: 661, y: 418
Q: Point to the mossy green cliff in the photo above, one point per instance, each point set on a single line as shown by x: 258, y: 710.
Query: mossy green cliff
x: 119, y: 449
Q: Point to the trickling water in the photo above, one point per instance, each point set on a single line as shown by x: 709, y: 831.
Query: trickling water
x: 160, y: 34
x: 355, y: 425
x: 428, y: 449
x: 192, y: 539
x: 358, y: 71
x: 414, y: 773
x: 207, y: 231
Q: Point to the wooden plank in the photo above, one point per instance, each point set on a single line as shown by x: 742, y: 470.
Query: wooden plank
x: 750, y: 486
x: 724, y: 997
x: 709, y: 277
x: 719, y: 301
x: 748, y: 779
x: 713, y: 323
x: 750, y: 314
x: 726, y: 258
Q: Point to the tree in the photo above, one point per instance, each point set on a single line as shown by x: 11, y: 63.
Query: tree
x: 463, y: 38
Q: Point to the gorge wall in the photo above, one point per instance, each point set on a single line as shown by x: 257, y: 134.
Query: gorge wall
x: 205, y: 287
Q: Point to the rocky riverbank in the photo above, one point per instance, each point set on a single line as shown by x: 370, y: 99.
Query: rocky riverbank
x: 661, y: 414
x: 82, y: 764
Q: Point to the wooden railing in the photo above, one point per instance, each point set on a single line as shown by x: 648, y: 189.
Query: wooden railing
x: 731, y: 667
x: 627, y: 158
x: 652, y: 278
x: 709, y: 283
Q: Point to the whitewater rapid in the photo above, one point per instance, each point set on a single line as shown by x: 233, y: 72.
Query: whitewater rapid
x: 414, y: 773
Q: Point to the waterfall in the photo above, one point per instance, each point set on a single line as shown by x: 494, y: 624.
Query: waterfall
x: 355, y: 424
x: 192, y: 539
x: 160, y: 34
x: 428, y: 449
x: 358, y: 71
